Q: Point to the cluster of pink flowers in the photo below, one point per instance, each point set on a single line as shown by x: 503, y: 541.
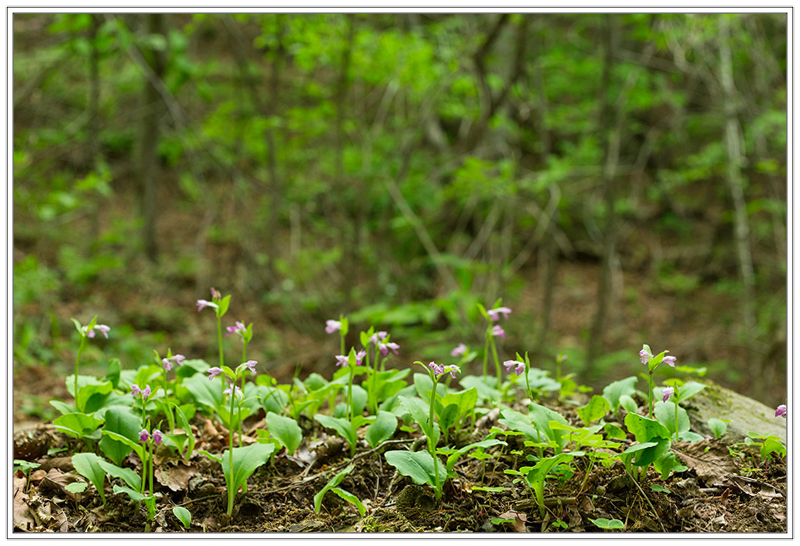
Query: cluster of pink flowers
x: 780, y: 411
x: 102, y: 327
x: 156, y: 436
x: 520, y: 366
x: 167, y: 362
x: 239, y: 328
x: 440, y: 369
x: 645, y: 357
x: 667, y: 392
x: 136, y: 391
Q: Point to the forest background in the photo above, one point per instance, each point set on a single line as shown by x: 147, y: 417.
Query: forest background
x: 616, y: 179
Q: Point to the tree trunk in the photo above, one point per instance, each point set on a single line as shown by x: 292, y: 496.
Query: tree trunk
x: 153, y: 109
x: 610, y: 142
x: 733, y: 175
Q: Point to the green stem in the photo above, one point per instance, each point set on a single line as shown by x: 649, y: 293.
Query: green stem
x: 676, y: 418
x: 170, y: 417
x: 77, y: 367
x: 496, y: 363
x: 350, y: 394
x: 150, y: 449
x: 231, y: 491
x: 486, y: 352
x: 650, y: 394
x: 528, y: 383
x: 244, y: 359
x: 431, y: 446
x: 219, y: 340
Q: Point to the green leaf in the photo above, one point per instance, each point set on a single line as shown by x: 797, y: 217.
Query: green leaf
x: 613, y: 391
x: 272, y: 399
x: 183, y: 515
x: 535, y: 476
x: 125, y: 474
x: 489, y: 489
x: 424, y: 385
x: 382, y: 429
x: 135, y: 445
x: 340, y: 425
x: 205, y: 393
x: 114, y: 371
x: 333, y: 482
x: 541, y: 417
x: 352, y: 499
x: 604, y: 523
x: 87, y: 465
x: 665, y: 414
x: 717, y: 426
x: 211, y: 456
x: 485, y: 391
x: 245, y: 461
x: 688, y: 390
x: 223, y: 305
x: 285, y: 430
x: 183, y: 422
x: 614, y: 432
x: 123, y: 422
x: 63, y: 408
x: 78, y: 425
x: 417, y: 465
x: 628, y: 404
x: 597, y: 408
x: 134, y: 495
x: 645, y: 429
x: 76, y: 487
x: 419, y: 412
x: 465, y: 400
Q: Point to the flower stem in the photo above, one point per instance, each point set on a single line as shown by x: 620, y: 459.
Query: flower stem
x: 231, y: 485
x: 650, y: 394
x: 486, y: 351
x: 431, y: 445
x: 219, y: 340
x: 77, y: 366
x: 496, y: 363
x: 676, y: 417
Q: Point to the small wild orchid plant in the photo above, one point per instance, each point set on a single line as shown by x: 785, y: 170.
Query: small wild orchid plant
x: 652, y: 363
x: 492, y: 331
x: 86, y: 332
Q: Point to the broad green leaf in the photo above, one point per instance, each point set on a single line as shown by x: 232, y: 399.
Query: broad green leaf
x: 245, y: 461
x: 183, y: 515
x: 352, y: 499
x: 665, y: 414
x: 465, y: 400
x: 604, y: 523
x: 126, y: 474
x: 134, y: 495
x: 135, y: 445
x: 211, y: 456
x: 285, y: 430
x: 613, y: 431
x: 87, y: 465
x: 688, y: 390
x: 597, y: 408
x: 333, y: 482
x: 272, y: 399
x: 424, y: 384
x: 613, y: 391
x: 645, y: 429
x: 342, y: 426
x: 223, y: 305
x: 113, y: 373
x: 205, y: 393
x: 183, y: 422
x: 486, y: 389
x: 382, y: 429
x: 628, y: 404
x: 419, y: 411
x: 417, y: 465
x: 78, y: 425
x: 541, y: 417
x: 63, y: 408
x: 76, y: 487
x: 123, y: 422
x: 717, y: 426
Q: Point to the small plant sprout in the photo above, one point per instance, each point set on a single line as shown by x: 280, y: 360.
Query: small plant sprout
x: 220, y: 307
x: 652, y: 363
x: 86, y: 332
x: 492, y: 331
x: 780, y: 411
